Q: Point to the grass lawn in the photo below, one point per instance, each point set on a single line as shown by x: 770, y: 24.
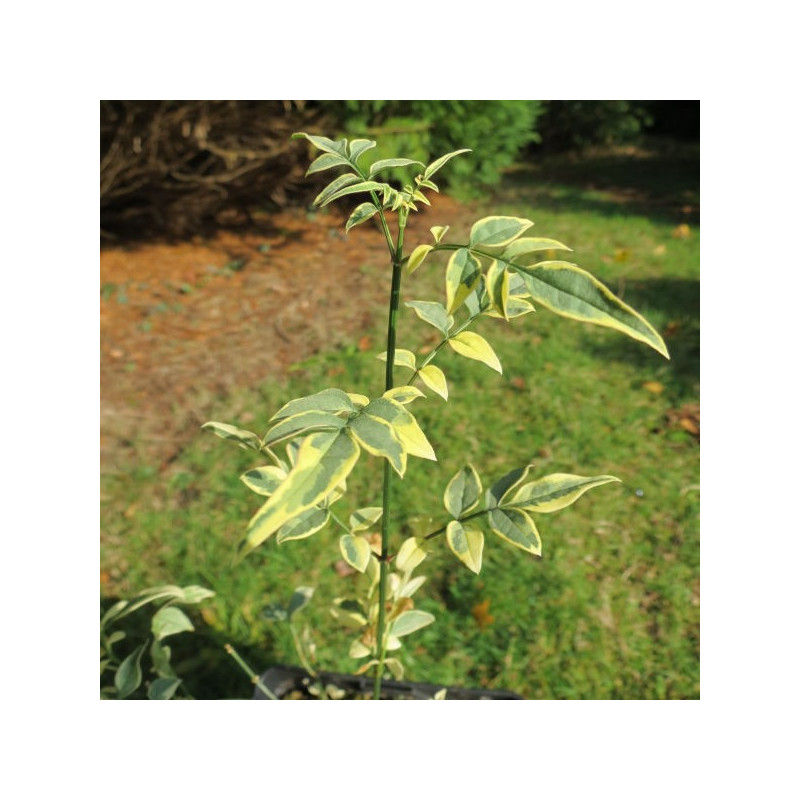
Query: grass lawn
x: 611, y: 610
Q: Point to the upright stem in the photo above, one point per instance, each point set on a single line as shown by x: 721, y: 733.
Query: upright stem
x: 391, y: 338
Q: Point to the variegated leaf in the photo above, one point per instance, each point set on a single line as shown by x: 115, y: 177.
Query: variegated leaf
x: 432, y: 313
x: 364, y: 518
x: 461, y: 277
x: 301, y: 423
x: 378, y: 437
x: 438, y: 232
x: 324, y: 460
x: 263, y: 480
x: 572, y: 292
x: 491, y: 232
x: 417, y: 256
x: 403, y: 394
x: 350, y: 188
x: 433, y: 168
x: 360, y: 214
x: 410, y: 621
x: 323, y: 143
x: 502, y: 489
x: 355, y: 551
x: 405, y: 426
x: 555, y: 491
x: 336, y: 185
x: 402, y: 358
x: 517, y: 528
x: 326, y: 161
x: 466, y: 544
x: 472, y: 345
x: 332, y: 400
x: 410, y: 555
x: 497, y: 287
x: 525, y: 251
x: 463, y: 492
x: 434, y: 379
x: 359, y: 146
x: 391, y: 163
x: 238, y: 435
x: 303, y: 525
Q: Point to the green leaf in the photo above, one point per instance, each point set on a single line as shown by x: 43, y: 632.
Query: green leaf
x: 403, y: 394
x: 300, y: 598
x: 163, y: 688
x: 169, y: 621
x: 410, y: 621
x: 355, y: 551
x: 434, y: 379
x: 361, y: 214
x: 472, y: 345
x: 336, y: 185
x: 365, y: 518
x: 433, y: 168
x: 359, y: 146
x: 478, y: 301
x: 193, y: 594
x: 263, y: 480
x: 302, y: 423
x: 555, y: 492
x: 503, y: 488
x: 324, y: 460
x: 377, y: 437
x: 432, y: 313
x: 323, y: 143
x: 405, y: 426
x: 160, y: 655
x: 438, y: 232
x: 332, y: 400
x: 390, y: 163
x: 497, y: 231
x: 128, y: 677
x: 461, y: 277
x: 326, y: 161
x: 225, y: 431
x: 517, y: 528
x: 525, y: 251
x: 463, y: 493
x: 572, y: 292
x: 351, y: 188
x: 466, y: 544
x: 497, y: 287
x: 417, y: 256
x: 303, y: 525
x: 402, y: 358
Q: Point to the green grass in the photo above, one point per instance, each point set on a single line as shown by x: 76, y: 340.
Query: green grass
x: 612, y: 608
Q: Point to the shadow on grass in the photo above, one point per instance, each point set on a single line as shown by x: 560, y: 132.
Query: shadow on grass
x: 661, y: 182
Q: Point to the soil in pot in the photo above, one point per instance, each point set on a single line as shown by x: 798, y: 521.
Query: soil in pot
x: 294, y: 683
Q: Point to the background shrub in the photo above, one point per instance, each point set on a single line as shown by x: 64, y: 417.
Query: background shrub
x: 496, y: 130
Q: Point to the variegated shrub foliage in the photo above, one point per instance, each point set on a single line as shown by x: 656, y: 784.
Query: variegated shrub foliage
x: 499, y: 271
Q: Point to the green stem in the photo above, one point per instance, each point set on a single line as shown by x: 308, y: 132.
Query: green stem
x: 462, y: 519
x: 252, y: 675
x: 391, y: 340
x: 438, y: 347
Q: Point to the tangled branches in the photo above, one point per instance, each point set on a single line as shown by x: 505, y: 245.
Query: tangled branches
x: 173, y: 167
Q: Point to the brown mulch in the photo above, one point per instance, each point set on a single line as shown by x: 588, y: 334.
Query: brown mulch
x: 184, y: 324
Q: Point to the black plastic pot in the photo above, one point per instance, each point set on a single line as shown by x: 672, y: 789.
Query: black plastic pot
x: 283, y: 681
